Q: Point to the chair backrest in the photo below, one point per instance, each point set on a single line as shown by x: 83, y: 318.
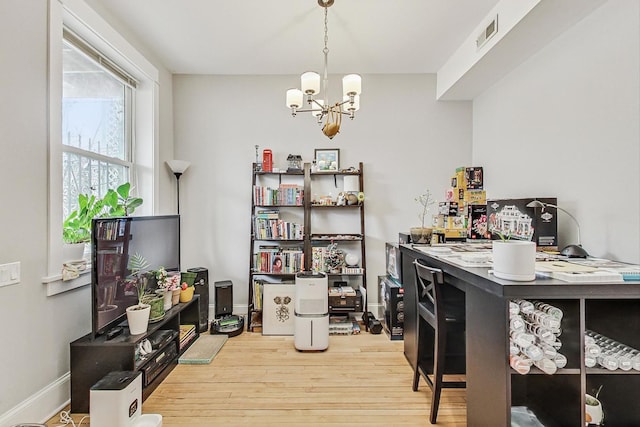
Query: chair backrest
x: 429, y: 282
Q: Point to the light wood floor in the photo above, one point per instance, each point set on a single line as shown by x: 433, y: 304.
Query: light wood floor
x: 263, y: 381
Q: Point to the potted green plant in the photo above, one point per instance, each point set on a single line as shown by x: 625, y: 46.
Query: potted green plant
x: 119, y: 202
x: 512, y: 259
x: 138, y: 315
x: 423, y: 233
x: 76, y: 227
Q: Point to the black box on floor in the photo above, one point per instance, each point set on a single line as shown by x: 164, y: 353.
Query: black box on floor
x: 393, y: 305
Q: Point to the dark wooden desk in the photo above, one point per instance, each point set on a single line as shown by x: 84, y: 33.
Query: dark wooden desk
x: 612, y: 309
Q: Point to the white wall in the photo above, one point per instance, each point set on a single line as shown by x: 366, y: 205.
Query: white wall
x: 406, y: 140
x: 37, y: 329
x: 565, y: 123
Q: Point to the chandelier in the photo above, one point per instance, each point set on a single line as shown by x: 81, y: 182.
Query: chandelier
x: 321, y: 108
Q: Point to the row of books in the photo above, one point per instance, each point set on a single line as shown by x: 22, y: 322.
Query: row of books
x: 111, y: 230
x: 277, y: 229
x: 187, y: 333
x: 285, y: 194
x: 258, y: 287
x: 287, y: 261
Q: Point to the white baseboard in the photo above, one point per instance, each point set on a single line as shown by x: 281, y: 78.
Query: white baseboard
x: 42, y: 406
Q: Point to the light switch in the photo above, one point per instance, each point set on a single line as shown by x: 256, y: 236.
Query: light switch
x: 10, y: 274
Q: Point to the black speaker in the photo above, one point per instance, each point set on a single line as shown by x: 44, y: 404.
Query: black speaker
x: 224, y: 298
x: 202, y: 288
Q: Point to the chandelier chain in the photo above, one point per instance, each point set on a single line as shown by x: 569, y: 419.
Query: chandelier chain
x: 325, y: 80
x: 326, y: 31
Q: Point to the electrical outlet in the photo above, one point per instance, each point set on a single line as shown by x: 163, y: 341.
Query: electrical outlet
x: 10, y: 274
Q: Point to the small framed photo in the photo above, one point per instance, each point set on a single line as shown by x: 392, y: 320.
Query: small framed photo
x: 327, y: 159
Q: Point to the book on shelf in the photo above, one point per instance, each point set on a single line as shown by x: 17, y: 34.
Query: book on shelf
x: 285, y: 194
x: 187, y: 333
x: 111, y: 230
x: 277, y: 229
x: 278, y: 260
x: 258, y: 287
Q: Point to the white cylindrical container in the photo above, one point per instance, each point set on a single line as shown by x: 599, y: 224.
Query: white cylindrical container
x: 514, y: 260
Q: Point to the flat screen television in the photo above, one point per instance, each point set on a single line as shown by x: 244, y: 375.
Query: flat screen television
x: 113, y: 242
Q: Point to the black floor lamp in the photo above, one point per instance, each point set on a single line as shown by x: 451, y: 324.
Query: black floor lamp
x: 178, y: 167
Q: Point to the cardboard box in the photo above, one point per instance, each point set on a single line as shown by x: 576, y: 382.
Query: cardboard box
x: 392, y: 297
x: 448, y: 208
x: 460, y: 178
x: 475, y: 197
x: 473, y: 178
x: 394, y: 261
x: 513, y: 217
x: 477, y: 224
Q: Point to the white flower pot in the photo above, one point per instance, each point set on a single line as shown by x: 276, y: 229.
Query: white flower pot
x: 138, y: 318
x: 514, y: 260
x: 168, y: 296
x: 72, y: 252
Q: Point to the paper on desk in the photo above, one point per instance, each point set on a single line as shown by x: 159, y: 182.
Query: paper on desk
x: 563, y: 266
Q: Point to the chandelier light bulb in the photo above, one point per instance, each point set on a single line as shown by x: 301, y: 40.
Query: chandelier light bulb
x: 351, y: 84
x: 310, y: 82
x: 294, y: 98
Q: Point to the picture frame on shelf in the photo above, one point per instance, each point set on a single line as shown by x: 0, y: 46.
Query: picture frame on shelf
x: 327, y: 159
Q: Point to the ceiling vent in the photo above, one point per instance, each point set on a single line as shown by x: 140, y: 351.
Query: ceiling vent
x: 489, y: 31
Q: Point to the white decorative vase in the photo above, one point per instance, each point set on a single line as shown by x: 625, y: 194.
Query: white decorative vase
x: 138, y: 318
x: 514, y: 260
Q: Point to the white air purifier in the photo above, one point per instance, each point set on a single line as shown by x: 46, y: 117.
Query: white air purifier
x: 116, y: 401
x: 311, y: 331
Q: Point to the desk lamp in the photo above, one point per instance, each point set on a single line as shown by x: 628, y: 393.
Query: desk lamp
x: 178, y: 167
x: 571, y: 251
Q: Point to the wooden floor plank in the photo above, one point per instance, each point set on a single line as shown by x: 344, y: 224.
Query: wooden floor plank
x: 360, y: 380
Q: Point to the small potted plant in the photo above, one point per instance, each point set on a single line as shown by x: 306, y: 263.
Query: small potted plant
x: 512, y: 259
x: 138, y: 315
x: 186, y: 292
x: 187, y: 288
x: 167, y: 283
x: 76, y: 227
x: 423, y: 233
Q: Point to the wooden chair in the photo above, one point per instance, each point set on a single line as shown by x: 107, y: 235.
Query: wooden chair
x: 436, y: 312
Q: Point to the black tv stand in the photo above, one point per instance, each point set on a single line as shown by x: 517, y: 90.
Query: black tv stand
x: 94, y: 357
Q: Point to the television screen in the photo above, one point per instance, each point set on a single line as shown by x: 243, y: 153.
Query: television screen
x: 114, y: 241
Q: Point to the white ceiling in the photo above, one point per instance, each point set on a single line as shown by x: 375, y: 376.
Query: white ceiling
x: 287, y: 36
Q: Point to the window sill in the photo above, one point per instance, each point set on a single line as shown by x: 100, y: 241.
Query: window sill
x: 56, y: 286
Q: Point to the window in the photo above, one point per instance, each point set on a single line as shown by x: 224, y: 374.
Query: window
x: 97, y: 118
x: 109, y: 118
